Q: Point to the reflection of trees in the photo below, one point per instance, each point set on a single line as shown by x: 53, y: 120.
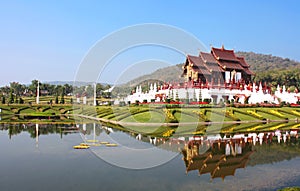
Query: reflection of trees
x: 275, y: 152
x: 14, y: 130
x: 44, y: 129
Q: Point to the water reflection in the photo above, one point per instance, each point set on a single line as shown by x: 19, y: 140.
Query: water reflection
x: 246, y: 161
x: 218, y: 155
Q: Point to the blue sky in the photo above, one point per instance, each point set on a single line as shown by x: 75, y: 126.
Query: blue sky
x: 47, y: 40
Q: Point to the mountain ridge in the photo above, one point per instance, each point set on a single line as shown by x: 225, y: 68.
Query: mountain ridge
x: 259, y: 63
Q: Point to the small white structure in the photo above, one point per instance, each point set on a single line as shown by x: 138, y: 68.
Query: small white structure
x: 286, y: 96
x: 217, y: 94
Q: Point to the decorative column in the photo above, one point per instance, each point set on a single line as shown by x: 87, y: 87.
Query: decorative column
x: 38, y: 93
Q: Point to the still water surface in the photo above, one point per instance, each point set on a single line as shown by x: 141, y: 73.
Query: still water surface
x: 49, y: 162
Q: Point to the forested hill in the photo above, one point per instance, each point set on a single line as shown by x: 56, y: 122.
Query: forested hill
x: 263, y: 62
x: 167, y: 74
x: 272, y: 69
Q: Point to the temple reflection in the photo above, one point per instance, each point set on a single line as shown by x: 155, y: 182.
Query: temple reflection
x: 219, y: 158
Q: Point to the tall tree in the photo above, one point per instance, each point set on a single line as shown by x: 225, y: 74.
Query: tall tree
x: 3, y: 100
x: 17, y: 88
x: 68, y: 89
x: 11, y: 96
x: 32, y: 87
x: 62, y: 96
x: 56, y: 99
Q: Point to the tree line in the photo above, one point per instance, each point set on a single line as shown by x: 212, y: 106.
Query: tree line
x: 15, y: 92
x: 288, y: 77
x: 273, y: 70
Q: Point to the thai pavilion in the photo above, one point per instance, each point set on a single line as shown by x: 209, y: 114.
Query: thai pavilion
x: 215, y: 67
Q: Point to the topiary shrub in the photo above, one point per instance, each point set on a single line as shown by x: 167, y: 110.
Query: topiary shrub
x: 207, y: 100
x: 56, y: 99
x: 168, y: 100
x: 3, y: 100
x: 21, y: 101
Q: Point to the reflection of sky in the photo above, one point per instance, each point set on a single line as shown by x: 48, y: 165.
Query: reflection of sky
x: 55, y: 165
x: 130, y: 153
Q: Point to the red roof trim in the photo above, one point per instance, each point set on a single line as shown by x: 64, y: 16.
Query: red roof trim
x: 210, y: 62
x: 207, y: 57
x: 223, y: 54
x: 198, y: 64
x: 243, y: 62
x: 231, y: 65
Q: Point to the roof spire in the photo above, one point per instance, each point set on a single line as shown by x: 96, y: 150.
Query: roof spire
x: 223, y: 47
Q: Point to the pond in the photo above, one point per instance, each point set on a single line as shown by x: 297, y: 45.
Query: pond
x: 41, y: 157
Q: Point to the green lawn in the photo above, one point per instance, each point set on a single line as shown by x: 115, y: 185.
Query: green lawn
x: 145, y: 117
x: 145, y: 114
x: 154, y: 114
x: 158, y: 115
x: 290, y: 189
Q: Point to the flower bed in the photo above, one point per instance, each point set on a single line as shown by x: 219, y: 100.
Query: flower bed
x: 198, y: 103
x: 230, y: 115
x: 168, y: 133
x: 170, y: 116
x: 295, y: 112
x: 202, y: 115
x: 275, y: 112
x: 295, y: 105
x: 253, y: 113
